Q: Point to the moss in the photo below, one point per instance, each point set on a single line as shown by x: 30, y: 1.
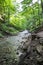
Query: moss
x: 1, y: 35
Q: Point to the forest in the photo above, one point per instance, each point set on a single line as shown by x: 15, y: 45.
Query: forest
x: 21, y: 32
x: 15, y: 16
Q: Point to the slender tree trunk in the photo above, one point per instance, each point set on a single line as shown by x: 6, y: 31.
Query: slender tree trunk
x: 42, y: 5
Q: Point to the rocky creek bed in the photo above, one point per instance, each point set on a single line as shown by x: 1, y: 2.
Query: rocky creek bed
x: 22, y: 49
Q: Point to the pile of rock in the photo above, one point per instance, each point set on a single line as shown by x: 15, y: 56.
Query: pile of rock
x: 35, y: 54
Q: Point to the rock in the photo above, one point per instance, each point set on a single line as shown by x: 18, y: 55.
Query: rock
x: 7, y: 53
x: 39, y: 58
x: 40, y: 49
x: 25, y: 40
x: 33, y: 51
x: 40, y: 34
x: 41, y: 41
x: 11, y: 48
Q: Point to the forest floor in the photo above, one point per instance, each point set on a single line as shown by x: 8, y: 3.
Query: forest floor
x: 22, y: 45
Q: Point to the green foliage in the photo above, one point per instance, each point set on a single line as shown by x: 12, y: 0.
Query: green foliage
x: 26, y: 1
x: 1, y: 35
x: 7, y: 8
x: 33, y: 15
x: 18, y: 21
x: 12, y: 21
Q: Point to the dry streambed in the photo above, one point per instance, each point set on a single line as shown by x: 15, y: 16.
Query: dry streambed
x: 10, y: 47
x: 13, y: 47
